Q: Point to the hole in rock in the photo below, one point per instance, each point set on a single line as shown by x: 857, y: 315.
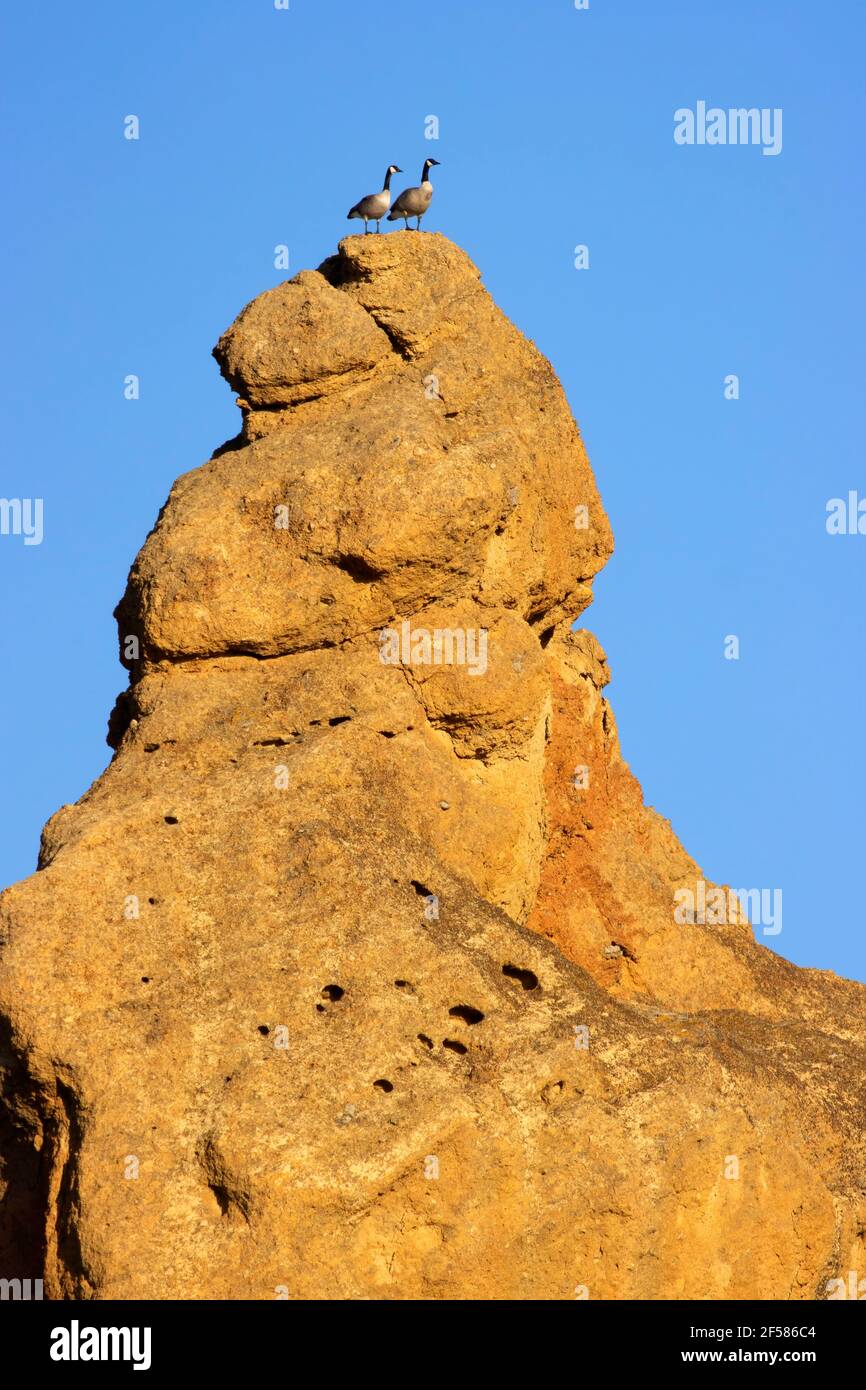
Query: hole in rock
x: 402, y: 984
x: 145, y: 979
x: 224, y: 1201
x: 553, y: 1092
x: 455, y: 1046
x: 423, y: 1038
x: 545, y: 636
x: 358, y: 569
x: 340, y: 719
x: 527, y: 978
x: 264, y: 1029
x: 420, y: 889
x: 152, y: 902
x: 171, y: 820
x: 387, y: 733
x: 616, y: 950
x: 320, y: 1009
x: 383, y: 1084
x: 467, y: 1013
x: 333, y: 992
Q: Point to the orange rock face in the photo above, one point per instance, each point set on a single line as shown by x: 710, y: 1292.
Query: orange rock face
x: 363, y: 971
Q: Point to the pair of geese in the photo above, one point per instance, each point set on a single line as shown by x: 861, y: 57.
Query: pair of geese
x: 412, y: 202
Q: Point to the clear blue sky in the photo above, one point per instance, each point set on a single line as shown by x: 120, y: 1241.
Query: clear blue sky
x: 260, y: 127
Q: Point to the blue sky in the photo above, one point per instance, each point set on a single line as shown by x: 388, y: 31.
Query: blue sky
x: 259, y: 127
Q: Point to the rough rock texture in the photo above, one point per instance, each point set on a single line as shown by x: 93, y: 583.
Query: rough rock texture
x: 337, y: 983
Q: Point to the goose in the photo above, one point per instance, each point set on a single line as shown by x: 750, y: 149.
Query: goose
x: 375, y: 205
x: 414, y: 202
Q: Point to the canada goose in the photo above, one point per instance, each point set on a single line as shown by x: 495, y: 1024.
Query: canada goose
x: 375, y: 205
x: 414, y: 202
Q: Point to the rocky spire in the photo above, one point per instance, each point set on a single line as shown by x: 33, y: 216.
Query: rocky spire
x: 363, y: 970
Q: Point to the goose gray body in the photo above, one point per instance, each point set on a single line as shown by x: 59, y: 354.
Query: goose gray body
x: 414, y: 202
x: 375, y: 205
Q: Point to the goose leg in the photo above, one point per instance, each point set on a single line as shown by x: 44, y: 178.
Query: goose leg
x: 366, y: 228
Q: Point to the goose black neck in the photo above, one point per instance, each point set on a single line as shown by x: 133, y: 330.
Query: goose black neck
x: 387, y: 183
x: 425, y: 172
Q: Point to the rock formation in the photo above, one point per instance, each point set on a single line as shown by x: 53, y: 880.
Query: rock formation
x: 358, y: 973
